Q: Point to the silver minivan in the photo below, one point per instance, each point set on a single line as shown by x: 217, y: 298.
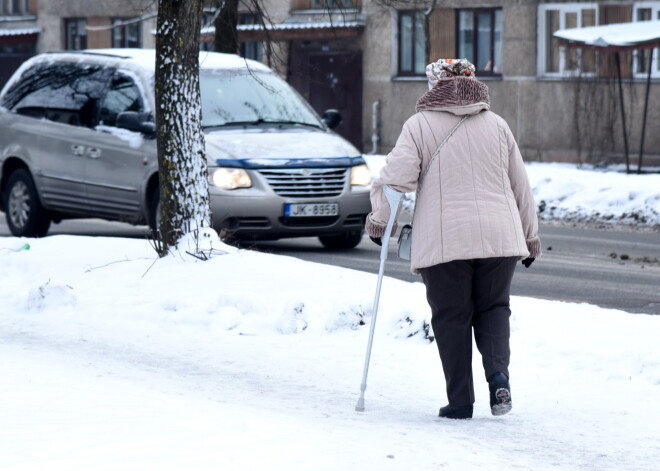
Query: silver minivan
x: 77, y: 140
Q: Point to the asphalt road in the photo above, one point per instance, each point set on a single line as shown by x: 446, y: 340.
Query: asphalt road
x: 609, y: 268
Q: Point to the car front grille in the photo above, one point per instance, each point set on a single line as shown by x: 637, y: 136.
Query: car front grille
x: 306, y: 182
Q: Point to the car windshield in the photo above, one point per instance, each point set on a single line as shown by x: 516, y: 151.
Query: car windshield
x: 250, y: 97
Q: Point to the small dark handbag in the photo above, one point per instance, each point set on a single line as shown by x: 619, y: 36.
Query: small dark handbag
x: 405, y: 237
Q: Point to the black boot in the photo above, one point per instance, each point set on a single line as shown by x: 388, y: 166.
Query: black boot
x: 456, y: 412
x: 500, y: 394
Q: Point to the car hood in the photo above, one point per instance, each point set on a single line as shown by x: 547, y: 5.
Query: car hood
x: 275, y: 147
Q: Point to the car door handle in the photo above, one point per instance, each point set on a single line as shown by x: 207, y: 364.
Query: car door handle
x: 77, y: 149
x: 93, y: 153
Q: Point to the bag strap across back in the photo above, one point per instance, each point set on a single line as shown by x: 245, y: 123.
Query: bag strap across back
x: 437, y: 151
x: 435, y: 154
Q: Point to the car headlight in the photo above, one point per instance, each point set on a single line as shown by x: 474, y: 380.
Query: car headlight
x: 360, y: 175
x: 230, y: 178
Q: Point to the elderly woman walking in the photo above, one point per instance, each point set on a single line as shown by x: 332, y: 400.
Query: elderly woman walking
x: 474, y: 218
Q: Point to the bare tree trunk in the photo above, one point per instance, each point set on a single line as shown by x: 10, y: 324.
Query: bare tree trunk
x: 182, y: 169
x: 226, y: 39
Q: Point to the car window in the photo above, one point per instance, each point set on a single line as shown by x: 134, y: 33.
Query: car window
x: 63, y: 92
x: 247, y: 96
x: 123, y: 95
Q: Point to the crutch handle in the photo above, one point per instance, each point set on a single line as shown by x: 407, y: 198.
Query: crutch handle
x: 394, y: 199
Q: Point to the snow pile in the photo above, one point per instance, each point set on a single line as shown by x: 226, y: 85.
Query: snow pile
x: 235, y: 291
x: 565, y: 193
x: 114, y: 359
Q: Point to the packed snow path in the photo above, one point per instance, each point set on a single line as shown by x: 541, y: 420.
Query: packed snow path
x: 253, y: 361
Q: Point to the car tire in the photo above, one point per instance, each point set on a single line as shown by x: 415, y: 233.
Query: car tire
x: 347, y: 240
x: 25, y: 215
x: 154, y: 212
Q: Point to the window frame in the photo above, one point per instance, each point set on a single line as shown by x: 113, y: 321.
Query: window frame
x: 542, y: 46
x: 9, y: 8
x: 475, y: 38
x: 117, y: 26
x: 77, y: 21
x: 655, y: 64
x: 333, y: 5
x: 253, y: 50
x: 413, y: 14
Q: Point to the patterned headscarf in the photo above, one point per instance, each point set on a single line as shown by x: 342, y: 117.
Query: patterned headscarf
x: 447, y: 68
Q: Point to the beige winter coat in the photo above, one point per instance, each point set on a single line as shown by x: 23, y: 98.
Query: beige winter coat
x: 476, y: 200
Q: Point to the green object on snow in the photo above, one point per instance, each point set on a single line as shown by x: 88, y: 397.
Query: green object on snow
x: 18, y: 249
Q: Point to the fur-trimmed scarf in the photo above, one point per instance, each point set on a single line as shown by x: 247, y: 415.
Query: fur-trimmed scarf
x: 454, y: 92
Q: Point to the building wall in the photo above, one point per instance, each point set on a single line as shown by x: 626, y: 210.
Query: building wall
x: 549, y: 118
x: 52, y: 14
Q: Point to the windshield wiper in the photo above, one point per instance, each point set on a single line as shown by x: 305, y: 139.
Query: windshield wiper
x: 301, y: 123
x: 261, y: 121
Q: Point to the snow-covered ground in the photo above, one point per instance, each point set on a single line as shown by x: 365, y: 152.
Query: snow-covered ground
x: 112, y: 359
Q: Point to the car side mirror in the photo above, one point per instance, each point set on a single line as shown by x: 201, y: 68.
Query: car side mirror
x: 138, y: 122
x: 332, y: 118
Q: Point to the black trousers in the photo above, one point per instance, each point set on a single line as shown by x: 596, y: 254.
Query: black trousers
x: 466, y: 295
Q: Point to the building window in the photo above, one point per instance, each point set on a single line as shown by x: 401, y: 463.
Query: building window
x: 332, y: 4
x: 412, y: 43
x: 554, y: 60
x: 480, y: 39
x: 75, y: 30
x: 14, y: 7
x: 646, y: 11
x: 126, y: 35
x: 250, y: 49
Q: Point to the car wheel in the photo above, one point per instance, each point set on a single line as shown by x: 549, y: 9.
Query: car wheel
x: 25, y: 215
x: 154, y: 212
x: 347, y: 240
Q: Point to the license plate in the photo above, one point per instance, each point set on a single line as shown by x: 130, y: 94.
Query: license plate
x: 306, y: 210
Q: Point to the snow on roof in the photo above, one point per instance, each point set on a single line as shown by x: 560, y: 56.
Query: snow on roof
x: 303, y: 25
x: 145, y: 59
x: 287, y: 26
x: 19, y: 31
x: 207, y: 60
x: 140, y: 61
x: 615, y: 35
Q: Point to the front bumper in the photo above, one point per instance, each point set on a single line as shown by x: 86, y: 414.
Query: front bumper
x: 258, y: 212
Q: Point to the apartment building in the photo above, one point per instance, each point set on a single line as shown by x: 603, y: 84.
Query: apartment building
x: 367, y: 59
x: 561, y: 104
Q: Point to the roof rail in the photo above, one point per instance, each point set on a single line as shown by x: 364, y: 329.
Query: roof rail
x: 89, y: 52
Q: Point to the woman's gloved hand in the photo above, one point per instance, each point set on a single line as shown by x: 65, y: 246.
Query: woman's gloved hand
x: 376, y: 240
x: 528, y: 261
